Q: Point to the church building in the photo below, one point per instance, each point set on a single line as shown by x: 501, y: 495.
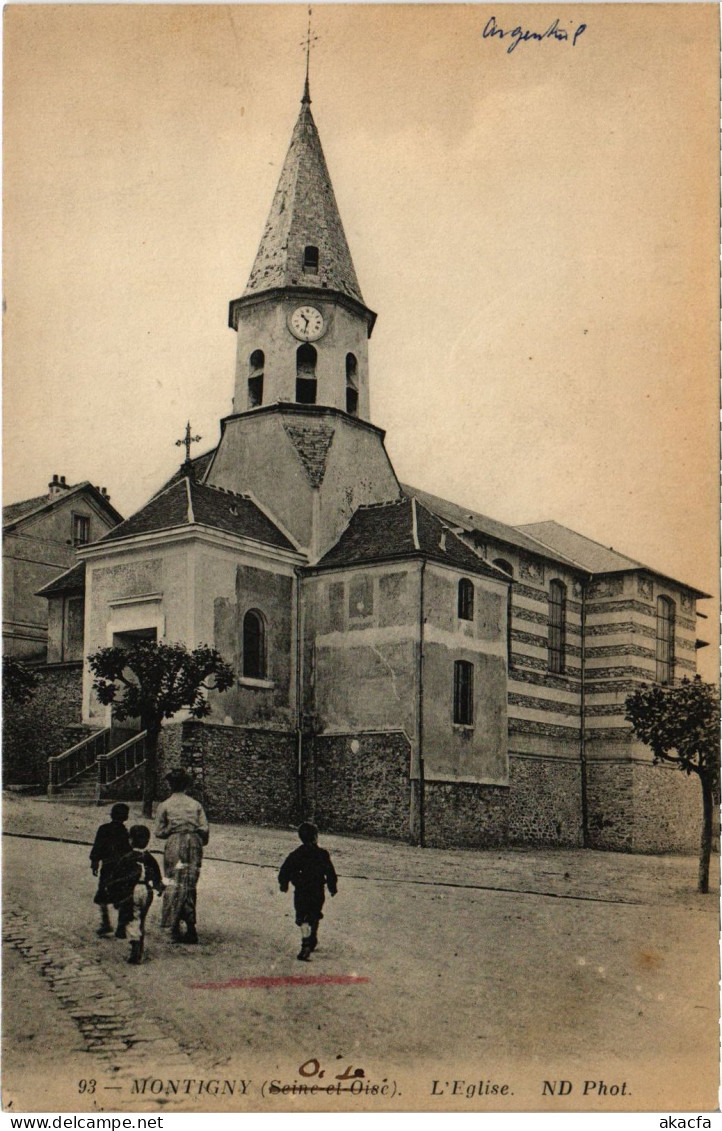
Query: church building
x: 405, y: 667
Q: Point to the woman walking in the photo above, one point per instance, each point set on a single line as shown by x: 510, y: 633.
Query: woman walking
x: 182, y: 824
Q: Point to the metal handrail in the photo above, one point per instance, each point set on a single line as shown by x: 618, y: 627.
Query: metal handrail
x: 63, y: 768
x: 115, y: 764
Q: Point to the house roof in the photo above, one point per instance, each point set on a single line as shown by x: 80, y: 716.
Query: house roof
x: 30, y: 508
x: 186, y: 503
x: 15, y: 511
x: 304, y: 212
x: 72, y: 581
x: 403, y: 529
x: 590, y: 555
x: 472, y: 521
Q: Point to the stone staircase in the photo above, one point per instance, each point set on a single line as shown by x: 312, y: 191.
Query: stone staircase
x: 97, y: 768
x: 82, y: 790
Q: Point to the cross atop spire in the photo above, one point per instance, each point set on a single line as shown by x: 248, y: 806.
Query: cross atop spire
x: 187, y: 441
x: 307, y: 42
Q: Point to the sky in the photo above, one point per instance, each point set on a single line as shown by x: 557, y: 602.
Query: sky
x: 537, y: 230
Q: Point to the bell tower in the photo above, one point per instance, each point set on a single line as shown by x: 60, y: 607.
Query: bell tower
x: 299, y: 439
x: 302, y: 323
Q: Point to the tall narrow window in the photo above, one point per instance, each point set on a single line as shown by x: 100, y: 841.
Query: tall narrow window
x: 463, y: 693
x: 507, y: 568
x: 256, y: 363
x: 310, y: 260
x: 465, y: 600
x: 81, y: 530
x: 254, y: 646
x: 306, y: 374
x: 351, y: 385
x: 557, y: 626
x: 665, y: 640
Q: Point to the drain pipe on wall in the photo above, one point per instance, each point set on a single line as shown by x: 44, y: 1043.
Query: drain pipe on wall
x: 420, y: 708
x: 299, y: 703
x: 583, y: 718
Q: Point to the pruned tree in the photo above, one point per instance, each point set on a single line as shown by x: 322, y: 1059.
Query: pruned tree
x: 681, y: 725
x: 19, y: 682
x: 153, y: 681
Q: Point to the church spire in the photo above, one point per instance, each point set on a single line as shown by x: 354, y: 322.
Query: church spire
x: 304, y: 244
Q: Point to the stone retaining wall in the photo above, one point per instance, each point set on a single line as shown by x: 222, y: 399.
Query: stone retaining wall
x: 44, y: 726
x: 243, y: 775
x: 359, y: 783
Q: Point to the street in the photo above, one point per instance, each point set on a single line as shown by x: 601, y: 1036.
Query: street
x: 433, y: 966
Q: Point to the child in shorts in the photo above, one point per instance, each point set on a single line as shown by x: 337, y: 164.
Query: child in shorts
x: 134, y: 878
x: 310, y: 870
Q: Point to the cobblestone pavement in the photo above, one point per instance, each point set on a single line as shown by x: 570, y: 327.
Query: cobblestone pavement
x: 119, y: 1040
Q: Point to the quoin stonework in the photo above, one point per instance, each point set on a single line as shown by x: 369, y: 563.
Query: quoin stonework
x: 405, y: 667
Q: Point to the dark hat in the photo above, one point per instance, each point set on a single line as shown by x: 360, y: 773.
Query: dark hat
x: 178, y: 779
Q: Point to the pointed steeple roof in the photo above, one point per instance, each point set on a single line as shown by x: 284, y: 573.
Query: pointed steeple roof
x: 304, y: 214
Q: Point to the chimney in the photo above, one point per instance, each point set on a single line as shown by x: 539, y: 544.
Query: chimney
x: 56, y: 486
x: 104, y: 492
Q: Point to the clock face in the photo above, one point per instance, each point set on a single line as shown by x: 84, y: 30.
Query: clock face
x: 306, y: 323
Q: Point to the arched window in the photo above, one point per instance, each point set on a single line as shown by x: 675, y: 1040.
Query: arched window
x: 351, y: 385
x: 306, y: 374
x: 507, y: 567
x: 254, y: 645
x: 465, y: 601
x: 557, y: 626
x: 310, y: 260
x: 665, y: 640
x: 463, y: 693
x: 256, y: 363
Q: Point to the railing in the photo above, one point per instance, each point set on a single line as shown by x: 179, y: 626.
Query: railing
x: 114, y: 764
x: 63, y: 768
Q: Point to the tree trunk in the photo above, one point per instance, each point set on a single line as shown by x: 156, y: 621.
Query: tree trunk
x: 150, y: 775
x: 705, y: 850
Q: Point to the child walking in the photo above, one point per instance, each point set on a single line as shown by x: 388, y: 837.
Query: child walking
x: 111, y: 842
x: 131, y: 886
x: 310, y: 870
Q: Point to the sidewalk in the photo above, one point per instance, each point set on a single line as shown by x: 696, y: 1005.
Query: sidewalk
x: 569, y: 873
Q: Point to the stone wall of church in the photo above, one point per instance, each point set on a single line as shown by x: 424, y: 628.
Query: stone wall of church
x: 667, y: 809
x: 541, y: 806
x: 245, y: 775
x: 359, y: 783
x: 635, y: 806
x: 43, y: 727
x: 545, y: 802
x: 464, y: 815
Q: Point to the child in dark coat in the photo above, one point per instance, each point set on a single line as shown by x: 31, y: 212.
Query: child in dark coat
x: 309, y: 869
x: 111, y: 842
x: 131, y: 886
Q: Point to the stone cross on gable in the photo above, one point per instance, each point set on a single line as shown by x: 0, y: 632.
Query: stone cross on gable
x: 188, y: 440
